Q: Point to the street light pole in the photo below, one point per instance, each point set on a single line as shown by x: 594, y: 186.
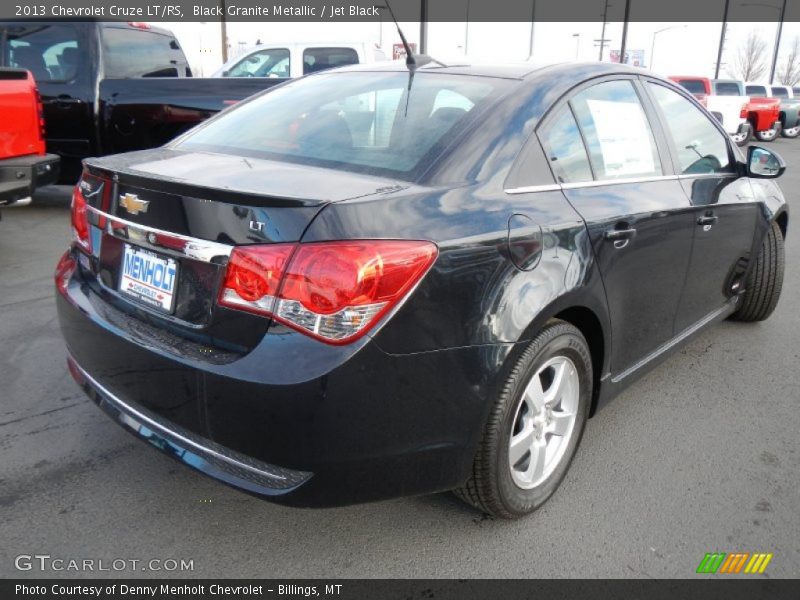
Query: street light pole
x: 224, y: 33
x: 653, y: 46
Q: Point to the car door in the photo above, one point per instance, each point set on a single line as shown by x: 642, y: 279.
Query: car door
x: 639, y: 220
x: 724, y: 208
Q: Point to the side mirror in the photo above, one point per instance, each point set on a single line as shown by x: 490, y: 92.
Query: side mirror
x: 763, y: 163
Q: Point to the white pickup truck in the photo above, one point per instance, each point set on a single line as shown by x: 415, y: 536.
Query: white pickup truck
x: 293, y: 59
x: 724, y: 99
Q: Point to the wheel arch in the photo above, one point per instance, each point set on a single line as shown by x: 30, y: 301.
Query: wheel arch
x: 591, y: 319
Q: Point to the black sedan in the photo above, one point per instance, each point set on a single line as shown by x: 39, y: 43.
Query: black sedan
x: 384, y: 281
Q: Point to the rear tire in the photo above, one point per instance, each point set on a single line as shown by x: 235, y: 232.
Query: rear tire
x: 791, y: 132
x: 763, y: 285
x: 542, y: 409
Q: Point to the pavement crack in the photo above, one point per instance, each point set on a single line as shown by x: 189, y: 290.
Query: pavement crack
x: 41, y: 414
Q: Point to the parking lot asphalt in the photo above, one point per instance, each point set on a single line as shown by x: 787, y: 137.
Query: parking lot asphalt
x: 701, y: 455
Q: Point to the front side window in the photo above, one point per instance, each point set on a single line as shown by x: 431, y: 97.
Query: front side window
x: 49, y: 52
x: 319, y: 59
x: 565, y: 150
x: 701, y: 147
x: 381, y: 123
x: 139, y: 53
x: 616, y: 130
x: 757, y: 91
x: 271, y: 62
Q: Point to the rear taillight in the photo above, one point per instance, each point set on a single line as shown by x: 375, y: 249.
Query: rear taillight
x: 702, y: 99
x: 64, y: 269
x: 333, y: 291
x: 80, y: 219
x: 743, y: 112
x: 40, y: 115
x: 91, y: 190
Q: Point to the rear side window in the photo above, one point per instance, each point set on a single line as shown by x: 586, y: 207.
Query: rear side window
x: 319, y: 59
x: 49, y: 52
x: 616, y: 130
x: 701, y: 147
x: 727, y: 89
x: 693, y: 86
x: 271, y: 62
x: 565, y: 150
x: 759, y: 91
x: 140, y: 53
x: 796, y: 91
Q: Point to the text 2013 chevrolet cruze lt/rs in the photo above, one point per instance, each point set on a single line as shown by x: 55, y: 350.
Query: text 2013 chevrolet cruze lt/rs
x: 382, y: 281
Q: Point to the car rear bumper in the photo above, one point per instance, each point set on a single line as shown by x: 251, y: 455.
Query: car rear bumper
x: 194, y: 451
x: 316, y: 425
x: 21, y: 176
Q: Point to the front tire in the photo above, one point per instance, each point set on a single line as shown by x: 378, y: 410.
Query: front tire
x: 741, y: 139
x: 764, y: 283
x: 534, y: 427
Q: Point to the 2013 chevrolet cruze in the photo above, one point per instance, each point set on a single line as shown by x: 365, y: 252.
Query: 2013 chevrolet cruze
x: 383, y: 281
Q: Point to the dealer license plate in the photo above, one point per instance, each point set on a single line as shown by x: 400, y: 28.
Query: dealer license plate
x: 148, y: 277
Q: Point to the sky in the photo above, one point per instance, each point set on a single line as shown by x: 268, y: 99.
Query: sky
x: 668, y: 48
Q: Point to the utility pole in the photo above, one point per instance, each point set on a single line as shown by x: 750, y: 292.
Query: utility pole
x: 777, y: 43
x: 625, y: 31
x: 722, y: 38
x: 224, y: 33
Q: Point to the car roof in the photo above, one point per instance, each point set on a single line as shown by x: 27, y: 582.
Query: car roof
x: 504, y: 70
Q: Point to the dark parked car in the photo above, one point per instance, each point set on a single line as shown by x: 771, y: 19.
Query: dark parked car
x: 113, y: 87
x: 375, y: 282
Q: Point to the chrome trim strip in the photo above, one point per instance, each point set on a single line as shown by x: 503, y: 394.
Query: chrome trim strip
x: 531, y: 189
x: 620, y: 181
x: 554, y: 187
x: 252, y: 475
x: 725, y: 310
x: 197, y: 249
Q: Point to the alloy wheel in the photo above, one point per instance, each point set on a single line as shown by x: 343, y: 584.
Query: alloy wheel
x: 544, y: 422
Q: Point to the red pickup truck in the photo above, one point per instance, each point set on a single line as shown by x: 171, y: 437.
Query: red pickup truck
x: 727, y: 100
x: 24, y: 165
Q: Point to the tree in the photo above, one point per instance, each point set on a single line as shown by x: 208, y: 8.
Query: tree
x: 789, y: 73
x: 750, y: 64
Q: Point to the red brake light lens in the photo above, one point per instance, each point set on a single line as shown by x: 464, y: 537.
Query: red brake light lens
x: 64, y: 269
x: 80, y: 219
x: 90, y: 190
x: 333, y: 291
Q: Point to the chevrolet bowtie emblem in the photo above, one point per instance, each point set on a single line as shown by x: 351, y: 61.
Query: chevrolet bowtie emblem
x: 132, y: 204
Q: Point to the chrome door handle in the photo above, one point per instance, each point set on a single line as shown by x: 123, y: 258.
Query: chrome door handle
x: 707, y: 220
x: 619, y: 234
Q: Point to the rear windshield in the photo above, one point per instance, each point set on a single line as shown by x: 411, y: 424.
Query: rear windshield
x: 727, y: 89
x: 378, y: 123
x: 694, y: 86
x: 756, y: 90
x: 50, y: 52
x: 780, y: 92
